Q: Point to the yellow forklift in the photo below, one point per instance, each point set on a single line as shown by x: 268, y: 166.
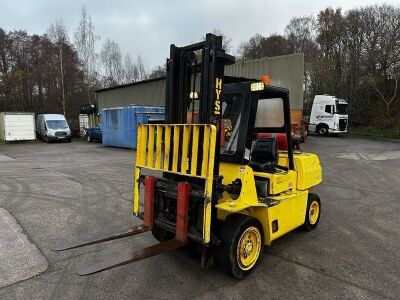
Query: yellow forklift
x: 207, y: 179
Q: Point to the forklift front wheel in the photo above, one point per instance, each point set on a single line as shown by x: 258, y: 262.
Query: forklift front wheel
x: 242, y: 244
x: 313, y: 212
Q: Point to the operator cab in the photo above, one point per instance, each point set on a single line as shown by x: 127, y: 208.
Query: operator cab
x: 249, y: 108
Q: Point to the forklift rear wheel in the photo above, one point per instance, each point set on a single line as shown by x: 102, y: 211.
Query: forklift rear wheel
x: 242, y: 244
x: 313, y: 212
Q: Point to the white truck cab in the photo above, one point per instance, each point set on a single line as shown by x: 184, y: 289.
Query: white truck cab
x: 328, y: 115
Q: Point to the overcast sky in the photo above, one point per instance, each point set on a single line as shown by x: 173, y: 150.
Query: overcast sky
x: 149, y: 27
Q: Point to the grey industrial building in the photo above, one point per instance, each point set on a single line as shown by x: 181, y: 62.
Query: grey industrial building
x: 285, y: 71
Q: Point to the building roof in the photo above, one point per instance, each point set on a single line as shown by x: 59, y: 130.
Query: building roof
x: 129, y: 84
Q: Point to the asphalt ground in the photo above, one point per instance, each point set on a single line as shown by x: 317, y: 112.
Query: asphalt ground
x: 62, y: 192
x: 19, y: 258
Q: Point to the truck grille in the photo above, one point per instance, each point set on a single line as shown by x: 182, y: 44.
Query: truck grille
x: 342, y: 124
x: 60, y: 133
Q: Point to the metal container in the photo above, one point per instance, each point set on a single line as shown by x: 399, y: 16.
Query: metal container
x: 88, y: 121
x: 119, y: 125
x: 83, y: 123
x: 17, y: 126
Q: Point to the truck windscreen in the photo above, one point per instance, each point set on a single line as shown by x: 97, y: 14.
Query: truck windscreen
x: 56, y: 124
x: 341, y: 109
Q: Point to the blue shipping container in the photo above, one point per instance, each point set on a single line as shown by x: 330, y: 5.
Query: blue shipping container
x: 119, y: 125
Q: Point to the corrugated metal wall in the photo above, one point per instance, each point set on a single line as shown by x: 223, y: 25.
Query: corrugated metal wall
x: 285, y: 71
x: 119, y: 125
x: 150, y: 93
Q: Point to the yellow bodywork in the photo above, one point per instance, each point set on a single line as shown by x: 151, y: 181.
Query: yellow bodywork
x: 154, y: 153
x: 287, y: 190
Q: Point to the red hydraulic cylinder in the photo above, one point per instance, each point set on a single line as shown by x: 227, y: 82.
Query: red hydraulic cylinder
x: 182, y: 212
x: 149, y: 190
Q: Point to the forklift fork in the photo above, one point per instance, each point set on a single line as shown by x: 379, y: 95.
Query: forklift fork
x: 180, y: 239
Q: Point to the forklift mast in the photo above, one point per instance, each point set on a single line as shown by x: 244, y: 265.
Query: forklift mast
x: 194, y: 85
x: 195, y: 73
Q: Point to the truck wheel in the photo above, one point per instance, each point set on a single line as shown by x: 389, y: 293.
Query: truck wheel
x: 313, y: 212
x: 242, y: 244
x: 323, y: 130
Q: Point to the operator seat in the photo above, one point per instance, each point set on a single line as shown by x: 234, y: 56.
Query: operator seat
x: 264, y: 155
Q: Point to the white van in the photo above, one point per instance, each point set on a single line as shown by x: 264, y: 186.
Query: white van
x: 328, y: 115
x: 53, y: 127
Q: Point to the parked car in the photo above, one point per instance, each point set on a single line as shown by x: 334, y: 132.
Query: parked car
x: 53, y: 127
x: 93, y: 134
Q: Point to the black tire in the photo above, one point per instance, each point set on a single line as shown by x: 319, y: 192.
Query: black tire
x: 311, y: 221
x: 69, y: 140
x: 89, y: 139
x: 231, y: 234
x: 323, y: 130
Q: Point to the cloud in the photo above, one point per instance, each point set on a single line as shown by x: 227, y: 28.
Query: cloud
x: 144, y: 20
x: 149, y: 27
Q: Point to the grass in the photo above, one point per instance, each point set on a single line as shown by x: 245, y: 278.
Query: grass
x: 375, y: 132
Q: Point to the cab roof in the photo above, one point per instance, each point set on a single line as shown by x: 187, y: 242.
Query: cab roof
x: 53, y: 117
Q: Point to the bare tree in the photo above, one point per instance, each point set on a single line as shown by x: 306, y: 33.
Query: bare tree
x: 111, y: 59
x: 158, y: 71
x: 330, y: 37
x: 131, y: 72
x: 58, y: 35
x: 141, y: 68
x: 301, y: 36
x: 259, y: 46
x: 354, y: 55
x: 389, y: 99
x: 85, y: 40
x: 383, y: 51
x: 300, y: 33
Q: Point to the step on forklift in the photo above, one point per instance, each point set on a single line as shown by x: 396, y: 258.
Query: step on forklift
x: 206, y: 179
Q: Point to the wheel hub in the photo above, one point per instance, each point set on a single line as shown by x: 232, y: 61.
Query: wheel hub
x: 249, y: 248
x: 313, y: 212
